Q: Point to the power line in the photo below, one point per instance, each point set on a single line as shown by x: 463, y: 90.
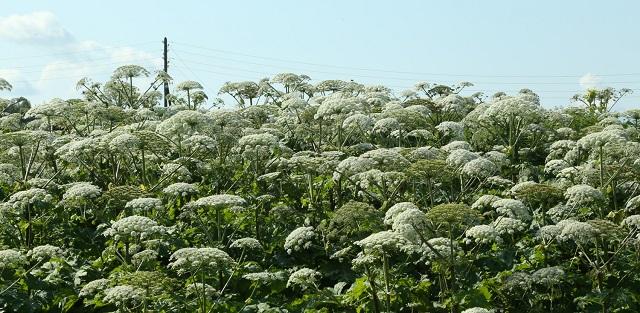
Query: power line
x: 397, y: 72
x: 370, y: 76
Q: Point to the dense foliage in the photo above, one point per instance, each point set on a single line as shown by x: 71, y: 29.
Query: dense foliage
x: 327, y: 197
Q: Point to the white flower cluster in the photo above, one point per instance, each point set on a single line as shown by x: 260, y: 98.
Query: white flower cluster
x: 195, y: 259
x: 442, y: 246
x: 553, y: 167
x: 32, y: 196
x: 385, y: 126
x: 124, y: 142
x: 477, y: 310
x: 459, y: 157
x: 410, y: 221
x: 200, y: 143
x: 424, y: 153
x: 633, y: 205
x: 383, y: 241
x: 10, y: 258
x: 336, y: 106
x: 180, y: 189
x: 143, y: 205
x: 485, y: 202
x: 351, y: 166
x: 124, y: 295
x: 561, y: 212
x: 254, y: 141
x: 632, y: 222
x: 246, y: 244
x: 386, y: 159
x: 583, y: 196
x: 601, y: 139
x: 134, y: 227
x: 508, y: 226
x: 395, y: 210
x: 82, y: 192
x: 548, y: 276
x: 579, y: 232
x: 266, y: 277
x: 455, y: 145
x: 479, y: 168
x: 482, y: 234
x: 549, y: 233
x: 451, y: 130
x: 512, y: 208
x: 219, y: 201
x: 197, y: 289
x: 144, y: 256
x: 93, y: 287
x: 304, y: 278
x: 44, y: 252
x: 299, y: 239
x: 176, y: 171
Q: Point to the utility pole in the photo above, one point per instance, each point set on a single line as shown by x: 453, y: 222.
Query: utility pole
x: 166, y: 70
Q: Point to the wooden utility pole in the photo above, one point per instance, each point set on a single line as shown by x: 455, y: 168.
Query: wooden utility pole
x: 166, y: 70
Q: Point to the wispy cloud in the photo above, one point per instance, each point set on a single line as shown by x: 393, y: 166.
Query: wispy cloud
x: 74, y: 58
x: 21, y: 86
x: 41, y: 28
x: 589, y: 80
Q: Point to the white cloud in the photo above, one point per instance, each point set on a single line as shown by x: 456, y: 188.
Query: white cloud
x: 21, y: 87
x: 589, y: 81
x: 39, y: 27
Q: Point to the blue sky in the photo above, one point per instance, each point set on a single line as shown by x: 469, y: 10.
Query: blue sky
x: 556, y: 48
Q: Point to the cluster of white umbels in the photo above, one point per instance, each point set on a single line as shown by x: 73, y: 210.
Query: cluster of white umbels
x: 144, y: 205
x: 299, y: 239
x: 248, y: 244
x: 44, y: 252
x: 196, y: 259
x: 180, y: 190
x: 124, y: 296
x: 304, y: 278
x: 81, y: 192
x: 482, y: 234
x: 33, y: 196
x: 583, y: 196
x: 10, y: 258
x: 219, y: 201
x: 94, y: 287
x: 134, y: 228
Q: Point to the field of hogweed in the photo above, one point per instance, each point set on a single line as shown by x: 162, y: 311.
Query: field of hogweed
x: 330, y: 196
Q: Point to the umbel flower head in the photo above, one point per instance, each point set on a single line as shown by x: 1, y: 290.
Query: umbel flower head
x: 382, y: 242
x: 304, y: 278
x: 196, y: 259
x: 249, y: 244
x: 124, y: 295
x: 33, y: 196
x: 299, y: 239
x: 134, y: 227
x: 219, y: 201
x: 10, y: 258
x: 583, y: 196
x: 180, y: 189
x: 81, y: 192
x: 395, y: 210
x: 44, y: 252
x: 143, y: 205
x: 483, y: 234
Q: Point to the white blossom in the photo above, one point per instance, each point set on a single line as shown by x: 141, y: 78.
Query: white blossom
x: 484, y: 234
x: 180, y: 189
x: 304, y: 278
x: 299, y: 239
